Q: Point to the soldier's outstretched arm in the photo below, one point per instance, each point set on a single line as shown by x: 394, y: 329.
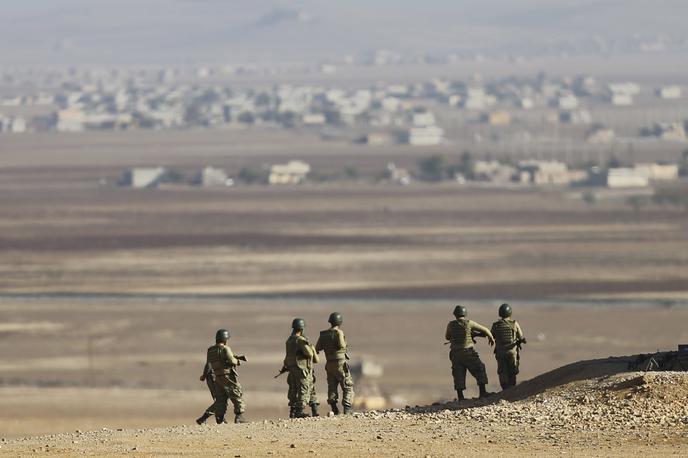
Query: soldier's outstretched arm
x: 484, y: 331
x: 233, y: 361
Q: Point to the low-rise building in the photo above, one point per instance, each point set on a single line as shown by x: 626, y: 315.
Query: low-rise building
x: 494, y: 172
x: 567, y: 102
x: 626, y: 178
x: 600, y: 135
x: 398, y: 175
x: 620, y: 99
x: 669, y: 92
x: 144, y: 177
x: 293, y: 172
x: 498, y: 118
x: 211, y: 176
x: 70, y: 120
x: 658, y: 172
x: 314, y: 119
x: 425, y: 136
x: 378, y: 139
x: 543, y: 173
x: 670, y: 131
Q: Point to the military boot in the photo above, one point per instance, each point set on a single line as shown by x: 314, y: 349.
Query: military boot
x: 348, y: 410
x: 314, y: 409
x: 239, y: 418
x: 459, y: 395
x: 220, y: 419
x: 483, y: 391
x: 200, y: 420
x: 335, y: 408
x: 299, y: 413
x: 291, y: 412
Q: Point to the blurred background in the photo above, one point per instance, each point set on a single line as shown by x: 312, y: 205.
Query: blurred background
x: 170, y: 167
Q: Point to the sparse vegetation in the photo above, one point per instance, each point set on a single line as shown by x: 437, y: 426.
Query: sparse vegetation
x: 250, y: 175
x: 589, y: 197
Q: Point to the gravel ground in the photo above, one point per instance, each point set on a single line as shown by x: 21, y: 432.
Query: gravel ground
x: 625, y: 414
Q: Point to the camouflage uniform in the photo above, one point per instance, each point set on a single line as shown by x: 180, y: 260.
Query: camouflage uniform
x: 291, y: 394
x: 333, y: 343
x: 299, y: 361
x: 507, y: 333
x: 227, y: 387
x: 462, y: 354
x: 209, y: 378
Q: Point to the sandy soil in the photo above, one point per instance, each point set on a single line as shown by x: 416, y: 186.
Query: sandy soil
x: 587, y: 409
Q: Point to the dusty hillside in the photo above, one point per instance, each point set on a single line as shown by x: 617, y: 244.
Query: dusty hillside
x: 591, y: 408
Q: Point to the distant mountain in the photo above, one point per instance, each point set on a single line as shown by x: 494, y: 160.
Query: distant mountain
x: 38, y: 31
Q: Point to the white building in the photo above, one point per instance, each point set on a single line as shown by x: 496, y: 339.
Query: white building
x: 658, y: 172
x: 669, y: 92
x: 398, y: 175
x: 627, y: 178
x: 211, y: 176
x: 144, y: 177
x: 543, y: 172
x: 70, y: 120
x: 293, y: 172
x: 620, y: 100
x: 526, y: 103
x: 425, y: 136
x: 17, y: 126
x: 567, y: 102
x: 314, y: 119
x: 423, y: 119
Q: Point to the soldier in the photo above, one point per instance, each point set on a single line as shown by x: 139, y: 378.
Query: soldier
x: 460, y: 333
x: 299, y: 359
x: 508, y: 339
x: 209, y: 378
x: 224, y: 363
x: 313, y: 397
x: 332, y: 341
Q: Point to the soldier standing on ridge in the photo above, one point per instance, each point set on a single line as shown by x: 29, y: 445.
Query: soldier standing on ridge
x: 224, y: 363
x: 332, y: 341
x: 209, y: 378
x: 299, y: 359
x: 460, y: 333
x: 508, y: 339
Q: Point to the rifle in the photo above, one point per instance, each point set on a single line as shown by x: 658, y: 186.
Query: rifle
x: 240, y: 357
x: 520, y: 341
x: 281, y: 371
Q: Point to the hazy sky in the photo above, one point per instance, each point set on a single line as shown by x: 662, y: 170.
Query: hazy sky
x: 135, y: 31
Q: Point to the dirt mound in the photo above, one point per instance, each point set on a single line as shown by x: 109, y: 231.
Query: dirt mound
x: 612, y: 413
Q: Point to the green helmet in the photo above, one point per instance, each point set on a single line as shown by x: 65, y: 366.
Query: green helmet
x: 298, y: 324
x: 460, y: 311
x: 335, y: 319
x: 505, y: 310
x: 222, y: 335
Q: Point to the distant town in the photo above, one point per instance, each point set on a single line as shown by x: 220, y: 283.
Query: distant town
x: 513, y: 130
x: 418, y: 114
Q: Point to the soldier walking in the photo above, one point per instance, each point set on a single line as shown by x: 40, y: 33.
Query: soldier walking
x: 460, y: 334
x: 224, y: 363
x: 508, y: 339
x: 333, y: 343
x: 209, y: 378
x: 299, y: 359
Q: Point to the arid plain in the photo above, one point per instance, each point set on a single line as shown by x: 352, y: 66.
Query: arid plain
x: 109, y: 296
